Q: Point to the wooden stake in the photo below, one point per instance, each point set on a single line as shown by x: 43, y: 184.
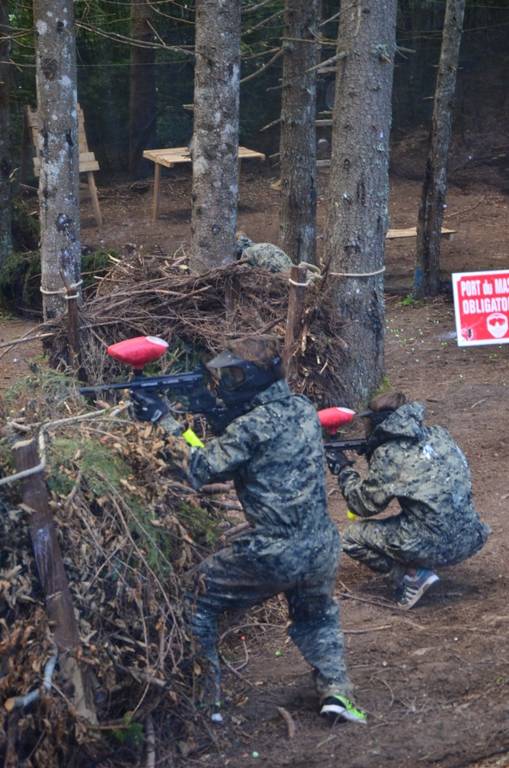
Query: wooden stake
x: 296, y: 296
x: 50, y: 567
x: 73, y: 295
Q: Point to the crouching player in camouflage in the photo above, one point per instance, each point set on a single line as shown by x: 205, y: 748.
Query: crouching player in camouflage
x: 270, y: 445
x: 426, y: 472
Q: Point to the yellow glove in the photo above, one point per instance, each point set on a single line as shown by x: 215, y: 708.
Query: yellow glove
x: 192, y: 439
x: 352, y: 516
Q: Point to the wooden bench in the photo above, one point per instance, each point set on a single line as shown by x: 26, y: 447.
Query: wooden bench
x: 88, y: 162
x: 167, y: 158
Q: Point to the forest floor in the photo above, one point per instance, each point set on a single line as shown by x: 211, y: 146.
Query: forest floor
x: 435, y: 681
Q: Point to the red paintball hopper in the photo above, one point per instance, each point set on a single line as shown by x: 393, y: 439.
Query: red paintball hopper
x: 139, y: 351
x: 331, y: 419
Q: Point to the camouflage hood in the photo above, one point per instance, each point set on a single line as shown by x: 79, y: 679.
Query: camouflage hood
x: 405, y: 423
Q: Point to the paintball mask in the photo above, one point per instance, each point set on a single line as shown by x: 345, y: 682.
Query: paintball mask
x: 238, y: 381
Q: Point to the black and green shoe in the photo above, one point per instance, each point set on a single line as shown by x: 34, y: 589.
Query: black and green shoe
x: 341, y: 708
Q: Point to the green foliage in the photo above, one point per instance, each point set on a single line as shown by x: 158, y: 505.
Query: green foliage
x: 95, y: 263
x: 20, y: 277
x: 19, y: 280
x: 101, y: 468
x: 55, y: 387
x: 408, y: 301
x: 198, y: 522
x: 157, y: 544
x: 25, y: 225
x: 384, y: 386
x: 6, y: 457
x: 130, y: 733
x: 104, y: 472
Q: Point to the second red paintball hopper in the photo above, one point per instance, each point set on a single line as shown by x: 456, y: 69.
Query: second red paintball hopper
x: 332, y: 419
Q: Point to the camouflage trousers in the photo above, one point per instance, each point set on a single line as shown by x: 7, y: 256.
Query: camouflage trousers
x: 257, y: 568
x: 382, y: 544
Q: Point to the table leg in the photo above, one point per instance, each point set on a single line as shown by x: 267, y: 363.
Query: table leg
x: 155, y: 199
x: 95, y: 199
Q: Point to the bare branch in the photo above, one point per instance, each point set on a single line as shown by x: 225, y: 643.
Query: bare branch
x: 270, y: 125
x: 256, y: 7
x: 262, y: 69
x: 336, y: 57
x: 126, y: 40
x: 264, y: 22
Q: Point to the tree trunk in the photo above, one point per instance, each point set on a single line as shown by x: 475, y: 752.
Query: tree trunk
x: 298, y: 131
x: 216, y: 133
x: 434, y: 190
x: 5, y: 150
x: 359, y: 189
x: 58, y: 151
x: 142, y: 87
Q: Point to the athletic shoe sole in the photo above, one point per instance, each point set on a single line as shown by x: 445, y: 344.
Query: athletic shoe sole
x: 416, y: 596
x: 334, y: 711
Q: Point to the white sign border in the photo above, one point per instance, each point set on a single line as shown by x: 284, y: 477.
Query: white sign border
x: 455, y: 277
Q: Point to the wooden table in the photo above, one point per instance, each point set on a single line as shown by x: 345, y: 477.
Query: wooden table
x: 167, y: 158
x: 396, y: 234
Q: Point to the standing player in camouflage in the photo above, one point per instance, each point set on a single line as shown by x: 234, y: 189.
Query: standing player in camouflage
x: 426, y: 472
x: 270, y: 446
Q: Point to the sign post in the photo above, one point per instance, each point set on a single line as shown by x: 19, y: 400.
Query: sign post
x: 481, y: 307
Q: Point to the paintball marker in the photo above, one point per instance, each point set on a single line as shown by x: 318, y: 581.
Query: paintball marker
x: 141, y: 350
x: 331, y: 419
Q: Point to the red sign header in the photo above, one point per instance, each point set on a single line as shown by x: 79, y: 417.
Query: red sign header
x: 481, y: 307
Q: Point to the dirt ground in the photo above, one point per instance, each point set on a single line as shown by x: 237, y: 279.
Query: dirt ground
x: 435, y: 681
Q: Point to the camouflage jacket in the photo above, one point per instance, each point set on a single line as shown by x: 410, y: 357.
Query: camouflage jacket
x: 274, y: 454
x: 422, y: 467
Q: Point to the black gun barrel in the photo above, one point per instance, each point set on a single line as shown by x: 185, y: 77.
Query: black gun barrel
x: 179, y: 383
x: 357, y: 444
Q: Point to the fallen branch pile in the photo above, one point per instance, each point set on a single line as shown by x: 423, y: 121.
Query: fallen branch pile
x: 128, y: 530
x: 197, y: 314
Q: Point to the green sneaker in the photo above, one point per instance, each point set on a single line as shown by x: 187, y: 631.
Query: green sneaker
x: 341, y: 708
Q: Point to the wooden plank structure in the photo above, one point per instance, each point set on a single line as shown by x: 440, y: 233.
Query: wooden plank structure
x: 88, y: 162
x: 167, y: 158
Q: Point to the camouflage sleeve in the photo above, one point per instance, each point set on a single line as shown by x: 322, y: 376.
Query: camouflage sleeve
x: 223, y: 455
x: 369, y: 496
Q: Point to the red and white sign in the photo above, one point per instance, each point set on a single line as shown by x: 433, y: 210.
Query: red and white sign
x: 481, y: 307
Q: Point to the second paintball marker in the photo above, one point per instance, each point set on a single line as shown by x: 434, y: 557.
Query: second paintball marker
x: 331, y: 419
x: 358, y: 445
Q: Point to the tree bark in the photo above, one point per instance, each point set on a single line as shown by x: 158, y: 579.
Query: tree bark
x: 298, y: 131
x: 58, y: 151
x: 142, y: 87
x: 5, y: 149
x: 359, y: 188
x: 216, y: 133
x: 296, y: 303
x: 434, y: 190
